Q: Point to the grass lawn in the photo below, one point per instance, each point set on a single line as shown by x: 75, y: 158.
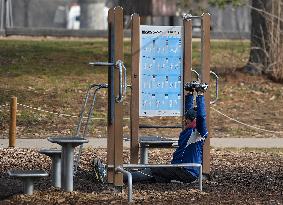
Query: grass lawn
x: 54, y: 75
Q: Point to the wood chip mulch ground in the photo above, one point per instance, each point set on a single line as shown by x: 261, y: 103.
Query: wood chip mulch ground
x: 237, y: 177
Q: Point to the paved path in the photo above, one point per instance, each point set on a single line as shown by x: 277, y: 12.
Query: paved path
x: 101, y: 143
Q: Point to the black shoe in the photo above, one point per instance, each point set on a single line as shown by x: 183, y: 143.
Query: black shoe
x: 99, y: 170
x: 201, y: 88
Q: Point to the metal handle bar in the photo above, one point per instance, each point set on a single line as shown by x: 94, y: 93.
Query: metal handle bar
x: 101, y: 64
x: 102, y: 85
x: 84, y: 131
x: 216, y: 87
x: 216, y: 84
x: 122, y: 86
x: 197, y: 74
x: 190, y: 16
x: 120, y: 94
x: 160, y: 126
x: 125, y: 80
x: 98, y: 86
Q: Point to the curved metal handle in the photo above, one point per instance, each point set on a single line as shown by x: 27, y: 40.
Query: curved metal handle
x: 216, y: 87
x: 125, y: 80
x: 197, y: 74
x: 122, y: 88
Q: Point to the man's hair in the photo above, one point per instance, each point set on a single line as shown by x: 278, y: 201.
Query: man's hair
x: 190, y: 114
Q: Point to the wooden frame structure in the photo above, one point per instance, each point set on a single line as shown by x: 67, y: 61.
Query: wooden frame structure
x: 187, y: 77
x: 115, y: 109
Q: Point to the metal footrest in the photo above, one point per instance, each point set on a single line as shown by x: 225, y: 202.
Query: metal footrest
x: 55, y: 156
x: 28, y: 177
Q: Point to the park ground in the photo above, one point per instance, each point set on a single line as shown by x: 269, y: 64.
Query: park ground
x: 238, y: 176
x: 53, y: 75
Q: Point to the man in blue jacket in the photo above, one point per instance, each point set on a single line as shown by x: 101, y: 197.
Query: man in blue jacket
x: 190, y: 143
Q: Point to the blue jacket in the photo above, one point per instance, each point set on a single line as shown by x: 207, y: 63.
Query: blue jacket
x: 191, y: 140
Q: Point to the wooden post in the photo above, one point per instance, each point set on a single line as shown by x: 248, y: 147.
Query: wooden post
x: 135, y: 51
x: 205, y: 75
x: 118, y: 107
x: 13, y: 121
x: 111, y: 99
x: 187, y: 55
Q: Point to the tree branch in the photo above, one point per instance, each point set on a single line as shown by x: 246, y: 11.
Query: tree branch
x: 265, y: 12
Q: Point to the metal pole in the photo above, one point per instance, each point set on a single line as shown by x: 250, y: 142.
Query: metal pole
x: 63, y: 161
x: 144, y: 155
x: 133, y: 166
x: 200, y: 178
x: 56, y: 171
x: 130, y: 182
x: 28, y: 186
x: 13, y: 121
x: 69, y: 167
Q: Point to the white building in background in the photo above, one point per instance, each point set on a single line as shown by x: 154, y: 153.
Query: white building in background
x: 93, y: 14
x: 57, y: 14
x: 73, y: 17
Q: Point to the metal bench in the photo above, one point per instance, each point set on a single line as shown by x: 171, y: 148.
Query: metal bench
x: 147, y: 142
x: 55, y: 156
x: 134, y: 166
x: 28, y: 177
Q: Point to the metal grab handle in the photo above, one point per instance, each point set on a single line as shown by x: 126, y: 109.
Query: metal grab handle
x: 101, y: 64
x: 122, y: 86
x: 216, y: 87
x: 197, y: 74
x: 125, y: 80
x: 96, y: 88
x: 190, y: 16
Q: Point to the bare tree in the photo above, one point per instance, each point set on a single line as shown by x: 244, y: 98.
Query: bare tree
x: 266, y: 39
x: 266, y: 53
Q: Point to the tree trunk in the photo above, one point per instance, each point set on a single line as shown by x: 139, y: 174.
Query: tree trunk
x: 260, y: 46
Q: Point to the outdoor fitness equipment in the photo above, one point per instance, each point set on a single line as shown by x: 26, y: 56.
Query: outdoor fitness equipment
x: 137, y: 51
x: 70, y: 154
x: 82, y: 131
x: 117, y: 86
